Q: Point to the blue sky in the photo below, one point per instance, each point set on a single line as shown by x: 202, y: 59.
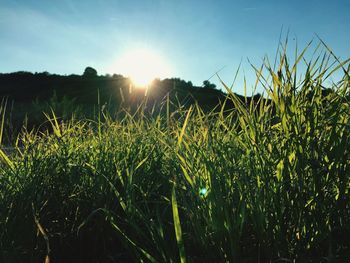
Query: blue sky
x: 196, y: 37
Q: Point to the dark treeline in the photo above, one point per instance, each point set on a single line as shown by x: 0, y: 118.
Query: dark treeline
x: 26, y: 87
x: 29, y: 94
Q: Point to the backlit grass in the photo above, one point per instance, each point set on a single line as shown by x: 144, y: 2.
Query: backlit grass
x: 265, y: 182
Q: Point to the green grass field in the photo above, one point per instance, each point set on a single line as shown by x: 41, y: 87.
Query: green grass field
x: 265, y: 182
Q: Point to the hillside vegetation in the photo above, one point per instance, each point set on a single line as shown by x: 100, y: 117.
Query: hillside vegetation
x: 28, y: 95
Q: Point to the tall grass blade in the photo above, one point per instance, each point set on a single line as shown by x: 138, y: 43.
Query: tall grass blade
x: 177, y: 226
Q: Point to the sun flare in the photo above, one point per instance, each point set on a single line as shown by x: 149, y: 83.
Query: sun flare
x: 142, y: 66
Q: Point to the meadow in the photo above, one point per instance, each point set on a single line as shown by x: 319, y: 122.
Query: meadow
x: 267, y: 181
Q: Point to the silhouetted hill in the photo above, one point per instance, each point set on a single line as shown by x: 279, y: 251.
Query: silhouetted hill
x: 26, y: 87
x: 30, y: 94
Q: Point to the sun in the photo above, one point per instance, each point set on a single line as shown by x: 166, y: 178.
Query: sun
x: 142, y: 66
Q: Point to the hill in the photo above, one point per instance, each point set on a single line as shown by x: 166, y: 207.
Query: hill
x: 29, y: 94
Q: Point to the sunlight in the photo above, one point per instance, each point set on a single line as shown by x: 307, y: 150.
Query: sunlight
x: 142, y: 66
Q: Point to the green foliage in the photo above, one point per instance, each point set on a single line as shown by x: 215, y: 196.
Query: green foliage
x: 90, y: 72
x: 208, y: 85
x: 265, y: 182
x: 64, y: 107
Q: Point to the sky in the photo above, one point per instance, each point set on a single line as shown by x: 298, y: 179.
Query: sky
x: 194, y: 38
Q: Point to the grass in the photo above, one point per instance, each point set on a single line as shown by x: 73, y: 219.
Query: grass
x: 265, y: 182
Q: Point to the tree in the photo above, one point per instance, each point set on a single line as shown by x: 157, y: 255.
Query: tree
x: 208, y: 85
x: 90, y: 72
x: 117, y: 76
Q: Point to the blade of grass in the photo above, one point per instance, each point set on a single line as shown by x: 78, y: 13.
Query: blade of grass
x: 177, y: 226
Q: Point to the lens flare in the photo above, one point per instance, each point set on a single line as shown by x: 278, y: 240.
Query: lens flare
x: 203, y: 192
